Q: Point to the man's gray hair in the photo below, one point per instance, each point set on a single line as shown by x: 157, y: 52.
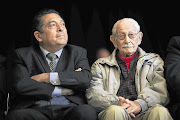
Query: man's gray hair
x: 125, y: 20
x: 38, y: 22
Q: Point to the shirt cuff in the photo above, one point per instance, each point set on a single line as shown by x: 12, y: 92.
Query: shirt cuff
x: 54, y: 78
x: 57, y: 92
x: 143, y: 104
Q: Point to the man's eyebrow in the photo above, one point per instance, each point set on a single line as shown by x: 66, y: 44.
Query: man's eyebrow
x: 121, y: 32
x: 55, y: 21
x: 51, y: 22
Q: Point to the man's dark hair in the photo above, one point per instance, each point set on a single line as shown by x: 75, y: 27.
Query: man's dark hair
x: 38, y: 23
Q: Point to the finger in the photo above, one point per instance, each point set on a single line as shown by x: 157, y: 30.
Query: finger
x: 132, y: 115
x: 121, y: 100
x: 127, y: 101
x: 79, y: 69
x: 35, y: 78
x: 124, y: 105
x: 131, y: 110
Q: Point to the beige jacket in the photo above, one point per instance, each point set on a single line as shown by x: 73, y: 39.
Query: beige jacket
x: 149, y: 80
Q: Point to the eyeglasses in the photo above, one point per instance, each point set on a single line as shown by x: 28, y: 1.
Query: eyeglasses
x: 131, y: 35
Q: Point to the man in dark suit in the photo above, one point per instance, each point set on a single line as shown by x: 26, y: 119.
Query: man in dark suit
x: 172, y: 73
x: 50, y: 79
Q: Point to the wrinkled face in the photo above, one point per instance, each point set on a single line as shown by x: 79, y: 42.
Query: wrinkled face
x: 54, y: 35
x: 127, y: 38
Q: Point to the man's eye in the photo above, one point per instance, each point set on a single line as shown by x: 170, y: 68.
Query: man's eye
x: 51, y: 25
x: 63, y: 24
x: 131, y: 34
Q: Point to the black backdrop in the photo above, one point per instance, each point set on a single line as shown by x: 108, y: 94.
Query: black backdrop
x: 89, y: 24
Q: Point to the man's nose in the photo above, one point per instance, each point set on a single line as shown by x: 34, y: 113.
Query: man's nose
x: 127, y: 39
x: 60, y: 28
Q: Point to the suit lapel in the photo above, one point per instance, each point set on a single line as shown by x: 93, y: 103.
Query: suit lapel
x: 62, y: 61
x: 42, y: 59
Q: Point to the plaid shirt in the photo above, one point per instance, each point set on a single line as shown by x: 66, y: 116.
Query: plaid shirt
x: 127, y: 87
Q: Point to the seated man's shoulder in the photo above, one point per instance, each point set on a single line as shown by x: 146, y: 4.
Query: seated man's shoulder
x: 25, y: 52
x: 175, y: 39
x: 103, y: 61
x: 75, y: 51
x: 153, y: 58
x: 73, y: 47
x: 174, y: 44
x: 148, y: 55
x: 23, y: 49
x: 153, y: 55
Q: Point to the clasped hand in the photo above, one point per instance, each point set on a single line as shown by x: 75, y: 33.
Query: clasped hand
x: 132, y: 107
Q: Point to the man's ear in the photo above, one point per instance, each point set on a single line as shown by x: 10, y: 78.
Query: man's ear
x: 113, y: 41
x: 37, y: 35
x: 140, y: 38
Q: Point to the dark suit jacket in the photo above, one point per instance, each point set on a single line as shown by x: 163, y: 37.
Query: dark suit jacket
x: 172, y: 74
x: 30, y: 61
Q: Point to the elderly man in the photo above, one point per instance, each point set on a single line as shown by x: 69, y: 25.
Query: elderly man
x: 50, y: 78
x: 129, y: 84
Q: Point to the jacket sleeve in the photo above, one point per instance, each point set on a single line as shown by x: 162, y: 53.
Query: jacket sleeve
x: 172, y: 68
x: 22, y: 82
x: 96, y: 95
x: 77, y: 80
x: 153, y: 89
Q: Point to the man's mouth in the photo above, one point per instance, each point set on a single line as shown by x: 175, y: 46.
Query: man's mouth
x: 60, y: 35
x: 128, y: 46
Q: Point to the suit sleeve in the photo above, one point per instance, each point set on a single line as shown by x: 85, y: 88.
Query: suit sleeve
x: 172, y: 65
x: 77, y: 80
x: 22, y: 82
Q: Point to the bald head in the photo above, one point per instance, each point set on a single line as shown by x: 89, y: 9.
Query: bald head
x: 129, y: 22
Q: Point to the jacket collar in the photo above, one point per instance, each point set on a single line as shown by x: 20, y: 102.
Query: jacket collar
x: 111, y: 60
x: 64, y: 58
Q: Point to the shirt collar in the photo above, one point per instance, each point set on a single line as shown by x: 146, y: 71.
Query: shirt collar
x: 45, y: 52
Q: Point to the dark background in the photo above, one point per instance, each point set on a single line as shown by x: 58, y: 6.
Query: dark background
x: 89, y: 24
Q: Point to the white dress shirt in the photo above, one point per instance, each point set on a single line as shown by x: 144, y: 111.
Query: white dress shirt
x: 54, y: 77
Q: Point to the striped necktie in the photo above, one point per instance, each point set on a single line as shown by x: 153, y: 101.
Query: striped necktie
x: 52, y: 57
